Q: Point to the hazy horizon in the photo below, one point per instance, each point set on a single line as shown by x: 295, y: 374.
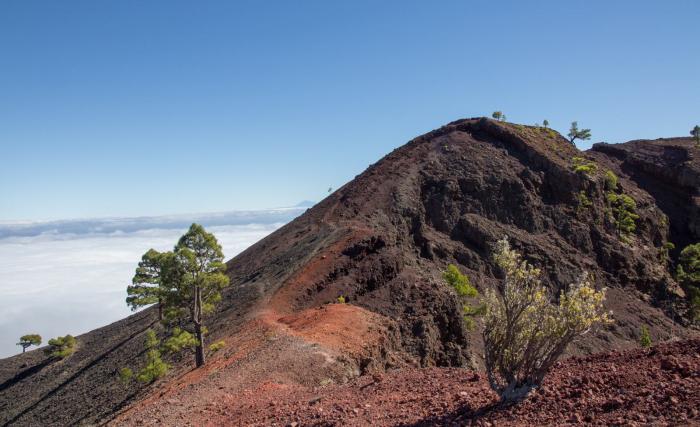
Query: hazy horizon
x: 70, y: 277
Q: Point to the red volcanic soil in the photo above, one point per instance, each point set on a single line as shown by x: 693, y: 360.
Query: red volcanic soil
x: 659, y: 386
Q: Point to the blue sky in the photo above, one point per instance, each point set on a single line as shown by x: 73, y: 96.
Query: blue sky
x: 129, y: 108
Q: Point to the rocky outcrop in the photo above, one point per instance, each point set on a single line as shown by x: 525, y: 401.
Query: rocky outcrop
x: 669, y: 170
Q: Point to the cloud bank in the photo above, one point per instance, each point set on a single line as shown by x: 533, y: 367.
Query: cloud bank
x: 70, y: 276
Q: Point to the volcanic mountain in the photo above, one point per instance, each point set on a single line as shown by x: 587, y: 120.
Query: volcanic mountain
x: 382, y: 242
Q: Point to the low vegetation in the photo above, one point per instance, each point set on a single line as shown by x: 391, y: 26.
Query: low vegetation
x: 645, y: 337
x: 61, y: 347
x: 524, y: 333
x: 583, y: 202
x: 465, y: 291
x: 623, y: 209
x: 125, y: 375
x: 664, y: 252
x: 583, y: 166
x: 688, y: 275
x: 216, y: 346
x: 155, y: 367
x: 29, y: 340
x: 611, y: 181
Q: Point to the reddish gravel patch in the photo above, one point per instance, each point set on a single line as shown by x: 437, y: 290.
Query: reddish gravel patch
x: 660, y: 386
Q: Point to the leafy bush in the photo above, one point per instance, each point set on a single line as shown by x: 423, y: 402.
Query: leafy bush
x: 125, y: 375
x: 664, y: 251
x: 584, y: 203
x: 464, y: 289
x: 583, y: 166
x: 459, y: 282
x: 524, y: 333
x: 61, y: 347
x: 155, y: 367
x: 611, y: 181
x: 688, y: 274
x: 624, y: 213
x: 645, y: 337
x: 214, y: 347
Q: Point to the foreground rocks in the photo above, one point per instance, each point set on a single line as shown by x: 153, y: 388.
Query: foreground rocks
x: 660, y: 386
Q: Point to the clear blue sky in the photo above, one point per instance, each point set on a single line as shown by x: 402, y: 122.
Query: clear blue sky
x: 120, y: 108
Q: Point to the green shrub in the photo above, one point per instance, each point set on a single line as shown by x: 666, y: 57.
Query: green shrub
x: 644, y: 337
x: 688, y: 275
x: 584, y: 203
x: 459, y: 282
x: 125, y: 375
x: 664, y: 251
x: 464, y: 289
x: 624, y: 213
x: 61, y: 347
x: 214, y: 347
x: 583, y: 166
x: 179, y: 340
x: 155, y: 367
x: 611, y: 181
x: 524, y: 333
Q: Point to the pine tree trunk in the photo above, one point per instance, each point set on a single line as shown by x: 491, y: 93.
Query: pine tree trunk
x: 199, y: 349
x: 160, y: 310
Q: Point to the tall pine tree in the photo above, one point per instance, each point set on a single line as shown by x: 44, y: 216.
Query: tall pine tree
x: 201, y: 260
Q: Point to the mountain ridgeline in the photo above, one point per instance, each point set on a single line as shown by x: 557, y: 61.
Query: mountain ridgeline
x: 382, y: 242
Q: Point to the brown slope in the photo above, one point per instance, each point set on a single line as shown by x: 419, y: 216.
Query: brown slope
x: 381, y: 241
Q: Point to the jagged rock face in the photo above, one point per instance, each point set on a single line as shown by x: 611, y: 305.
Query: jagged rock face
x: 382, y: 241
x: 669, y: 170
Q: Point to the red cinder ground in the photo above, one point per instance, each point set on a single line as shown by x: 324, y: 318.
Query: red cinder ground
x: 659, y: 386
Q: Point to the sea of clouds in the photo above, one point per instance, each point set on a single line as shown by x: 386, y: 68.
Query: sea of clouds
x: 69, y: 277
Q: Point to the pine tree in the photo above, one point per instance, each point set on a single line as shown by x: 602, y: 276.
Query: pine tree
x: 29, y: 340
x: 695, y: 133
x: 576, y: 133
x: 146, y: 284
x: 200, y: 260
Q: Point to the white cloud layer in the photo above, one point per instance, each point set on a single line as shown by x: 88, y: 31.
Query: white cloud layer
x: 54, y: 282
